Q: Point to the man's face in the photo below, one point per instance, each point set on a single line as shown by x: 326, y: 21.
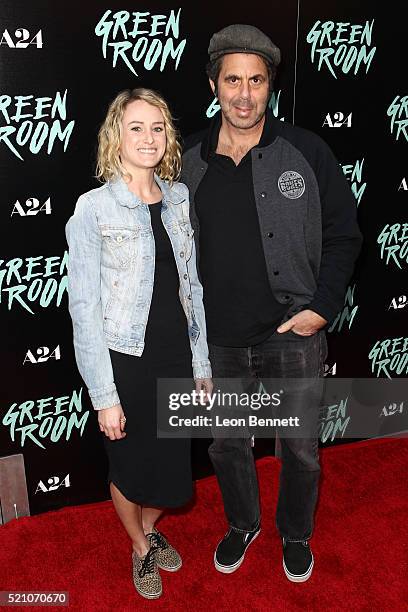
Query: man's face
x: 243, y: 89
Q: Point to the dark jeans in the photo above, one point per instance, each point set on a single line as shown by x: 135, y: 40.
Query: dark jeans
x: 283, y: 356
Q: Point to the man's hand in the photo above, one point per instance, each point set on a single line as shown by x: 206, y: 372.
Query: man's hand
x: 110, y: 422
x: 304, y: 323
x: 205, y: 385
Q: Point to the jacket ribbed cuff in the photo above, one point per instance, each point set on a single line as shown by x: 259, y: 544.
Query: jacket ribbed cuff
x: 106, y: 398
x: 202, y: 369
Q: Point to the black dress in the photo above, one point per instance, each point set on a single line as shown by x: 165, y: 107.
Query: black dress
x: 146, y: 469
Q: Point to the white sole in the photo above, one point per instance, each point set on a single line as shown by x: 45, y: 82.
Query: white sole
x: 146, y: 596
x: 228, y: 569
x: 170, y: 569
x: 301, y: 577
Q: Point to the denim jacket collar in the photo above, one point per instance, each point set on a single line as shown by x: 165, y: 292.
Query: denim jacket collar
x: 125, y: 197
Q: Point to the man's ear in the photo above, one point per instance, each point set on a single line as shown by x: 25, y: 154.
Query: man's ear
x: 213, y: 87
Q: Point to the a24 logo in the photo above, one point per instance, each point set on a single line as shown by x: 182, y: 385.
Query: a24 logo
x: 44, y: 354
x: 54, y: 483
x: 22, y: 39
x: 339, y: 120
x: 32, y: 207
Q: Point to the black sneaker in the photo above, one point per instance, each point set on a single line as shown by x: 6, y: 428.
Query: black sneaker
x: 230, y: 552
x: 297, y: 560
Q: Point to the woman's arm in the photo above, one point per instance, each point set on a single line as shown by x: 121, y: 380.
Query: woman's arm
x: 201, y: 363
x: 84, y: 299
x: 199, y: 348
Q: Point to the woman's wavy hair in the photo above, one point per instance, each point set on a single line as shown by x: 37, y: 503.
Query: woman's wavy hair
x: 109, y: 165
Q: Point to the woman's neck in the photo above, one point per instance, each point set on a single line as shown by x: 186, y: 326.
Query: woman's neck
x: 143, y: 185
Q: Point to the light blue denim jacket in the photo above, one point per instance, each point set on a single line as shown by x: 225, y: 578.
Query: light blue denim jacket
x: 110, y: 280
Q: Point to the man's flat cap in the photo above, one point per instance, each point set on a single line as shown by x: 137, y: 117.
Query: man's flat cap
x: 241, y: 38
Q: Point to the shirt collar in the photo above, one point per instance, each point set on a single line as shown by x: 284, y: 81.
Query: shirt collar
x: 125, y: 197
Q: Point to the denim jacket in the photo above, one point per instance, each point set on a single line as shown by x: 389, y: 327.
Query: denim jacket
x: 110, y: 280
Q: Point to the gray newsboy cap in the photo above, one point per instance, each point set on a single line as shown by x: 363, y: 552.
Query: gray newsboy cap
x: 241, y: 38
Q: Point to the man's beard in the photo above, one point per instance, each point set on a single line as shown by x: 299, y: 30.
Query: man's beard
x: 243, y: 124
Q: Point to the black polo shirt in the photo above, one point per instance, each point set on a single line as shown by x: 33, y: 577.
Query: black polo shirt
x: 240, y: 307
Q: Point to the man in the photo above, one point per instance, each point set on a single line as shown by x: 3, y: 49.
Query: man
x: 277, y: 238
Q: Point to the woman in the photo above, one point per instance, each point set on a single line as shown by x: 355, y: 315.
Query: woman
x: 132, y: 283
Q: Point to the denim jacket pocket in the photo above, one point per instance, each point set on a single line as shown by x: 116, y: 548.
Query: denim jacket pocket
x: 121, y: 243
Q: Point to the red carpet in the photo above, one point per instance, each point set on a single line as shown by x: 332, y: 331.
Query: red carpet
x: 360, y: 546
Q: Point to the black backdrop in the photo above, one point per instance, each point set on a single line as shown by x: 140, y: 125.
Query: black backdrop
x: 355, y: 99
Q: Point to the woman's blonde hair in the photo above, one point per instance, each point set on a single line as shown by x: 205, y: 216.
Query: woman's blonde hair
x: 109, y: 165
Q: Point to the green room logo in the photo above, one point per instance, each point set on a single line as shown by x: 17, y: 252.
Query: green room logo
x: 346, y: 316
x: 354, y: 174
x: 398, y: 112
x: 393, y: 242
x: 341, y: 47
x: 34, y: 280
x: 141, y: 38
x: 46, y: 419
x: 389, y: 357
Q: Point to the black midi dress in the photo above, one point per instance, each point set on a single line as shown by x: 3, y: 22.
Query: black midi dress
x: 146, y: 469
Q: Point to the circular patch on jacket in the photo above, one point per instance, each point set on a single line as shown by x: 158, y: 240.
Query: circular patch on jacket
x: 291, y: 184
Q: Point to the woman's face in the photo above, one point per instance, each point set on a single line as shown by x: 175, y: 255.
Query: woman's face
x: 143, y: 136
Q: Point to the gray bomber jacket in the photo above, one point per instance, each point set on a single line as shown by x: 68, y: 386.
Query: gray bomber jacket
x: 307, y: 214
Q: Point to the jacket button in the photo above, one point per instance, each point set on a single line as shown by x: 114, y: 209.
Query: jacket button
x: 259, y: 155
x: 287, y: 297
x: 263, y: 194
x: 270, y: 234
x: 182, y: 254
x: 185, y: 276
x: 189, y: 297
x: 276, y: 272
x: 119, y: 239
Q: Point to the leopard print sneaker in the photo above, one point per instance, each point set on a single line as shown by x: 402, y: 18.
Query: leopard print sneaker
x: 167, y: 557
x: 146, y: 577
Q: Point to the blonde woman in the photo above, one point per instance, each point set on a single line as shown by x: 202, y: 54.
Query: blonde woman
x: 137, y: 311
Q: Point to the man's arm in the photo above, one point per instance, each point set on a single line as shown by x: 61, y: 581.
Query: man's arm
x: 341, y: 236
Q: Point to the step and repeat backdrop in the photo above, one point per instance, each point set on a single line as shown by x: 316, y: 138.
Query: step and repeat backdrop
x: 342, y: 76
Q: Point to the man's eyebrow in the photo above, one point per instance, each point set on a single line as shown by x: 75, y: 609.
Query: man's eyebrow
x: 236, y: 76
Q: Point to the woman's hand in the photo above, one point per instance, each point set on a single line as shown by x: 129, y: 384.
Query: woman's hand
x: 205, y: 385
x: 112, y: 422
